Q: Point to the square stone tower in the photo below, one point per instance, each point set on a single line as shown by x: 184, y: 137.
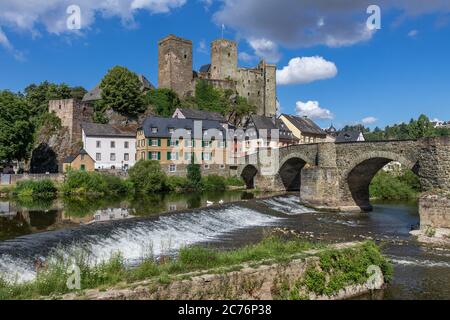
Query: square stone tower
x: 224, y: 60
x: 175, y: 65
x: 72, y: 113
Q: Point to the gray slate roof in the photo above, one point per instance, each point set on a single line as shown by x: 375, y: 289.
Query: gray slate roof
x: 202, y: 115
x: 348, y: 136
x: 107, y: 130
x: 305, y: 125
x: 70, y: 159
x: 165, y: 124
x: 205, y: 68
x: 266, y: 123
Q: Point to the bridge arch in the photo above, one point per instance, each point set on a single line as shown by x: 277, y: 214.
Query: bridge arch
x: 361, y: 170
x: 249, y: 173
x: 290, y: 169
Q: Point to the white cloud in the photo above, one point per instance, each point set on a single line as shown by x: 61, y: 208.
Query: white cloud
x: 157, y: 6
x: 202, y: 48
x: 245, y: 57
x: 413, y: 33
x: 312, y: 110
x: 4, y: 41
x: 305, y: 23
x: 265, y: 49
x: 306, y: 70
x: 369, y: 120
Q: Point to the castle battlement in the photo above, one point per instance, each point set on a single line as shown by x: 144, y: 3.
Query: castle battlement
x: 257, y: 85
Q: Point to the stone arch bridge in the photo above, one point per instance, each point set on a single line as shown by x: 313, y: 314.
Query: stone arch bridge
x: 338, y: 175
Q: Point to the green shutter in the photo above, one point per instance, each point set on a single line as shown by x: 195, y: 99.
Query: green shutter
x: 178, y: 143
x: 169, y: 156
x: 149, y: 142
x: 159, y: 155
x: 169, y: 142
x: 159, y: 142
x: 149, y: 156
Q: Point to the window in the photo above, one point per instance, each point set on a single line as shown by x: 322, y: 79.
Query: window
x: 83, y: 167
x: 155, y: 143
x: 155, y: 156
x: 171, y: 130
x: 126, y: 145
x: 207, y: 156
x: 98, y: 157
x: 154, y: 130
x: 173, y: 168
x: 172, y: 156
x: 187, y: 156
x: 113, y: 144
x: 189, y: 131
x: 112, y: 157
x: 188, y: 143
x: 207, y: 144
x: 222, y: 166
x: 206, y: 166
x: 173, y: 143
x: 99, y: 144
x: 126, y: 157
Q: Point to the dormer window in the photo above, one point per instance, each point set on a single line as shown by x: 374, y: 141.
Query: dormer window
x: 171, y: 130
x: 154, y: 130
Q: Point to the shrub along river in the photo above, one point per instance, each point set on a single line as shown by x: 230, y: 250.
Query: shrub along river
x: 31, y: 230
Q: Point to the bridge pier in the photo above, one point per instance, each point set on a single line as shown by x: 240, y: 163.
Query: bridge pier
x: 434, y: 173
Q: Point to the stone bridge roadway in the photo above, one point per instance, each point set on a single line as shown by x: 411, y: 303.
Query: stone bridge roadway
x: 338, y: 175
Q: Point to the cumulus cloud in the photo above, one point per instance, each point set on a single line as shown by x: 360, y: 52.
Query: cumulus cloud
x: 246, y: 57
x: 265, y: 49
x: 312, y: 110
x: 306, y: 70
x: 35, y: 15
x: 369, y: 120
x: 413, y: 33
x: 304, y: 23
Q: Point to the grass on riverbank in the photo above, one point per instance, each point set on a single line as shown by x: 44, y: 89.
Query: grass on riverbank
x: 52, y: 281
x: 338, y: 269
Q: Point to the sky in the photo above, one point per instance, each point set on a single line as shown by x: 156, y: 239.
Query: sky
x: 341, y: 61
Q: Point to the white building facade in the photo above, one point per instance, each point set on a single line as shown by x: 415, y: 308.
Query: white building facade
x: 110, y: 147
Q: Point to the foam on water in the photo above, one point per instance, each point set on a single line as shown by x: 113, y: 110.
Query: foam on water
x: 165, y: 235
x: 417, y: 262
x: 288, y: 205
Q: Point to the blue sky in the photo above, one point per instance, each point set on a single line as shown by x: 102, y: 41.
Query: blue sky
x: 383, y: 77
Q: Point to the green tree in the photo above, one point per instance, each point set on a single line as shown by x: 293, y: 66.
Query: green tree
x: 148, y: 177
x: 38, y: 96
x: 16, y: 129
x: 209, y: 98
x: 122, y: 91
x: 164, y: 101
x: 194, y: 176
x: 78, y: 93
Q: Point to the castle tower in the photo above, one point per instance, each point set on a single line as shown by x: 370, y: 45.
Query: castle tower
x: 224, y: 59
x: 270, y: 89
x: 72, y: 113
x: 175, y: 65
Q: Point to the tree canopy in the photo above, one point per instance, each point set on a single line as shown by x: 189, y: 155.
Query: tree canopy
x: 122, y: 91
x: 16, y: 128
x: 163, y: 101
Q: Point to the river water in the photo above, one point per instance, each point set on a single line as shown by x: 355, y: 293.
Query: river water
x: 30, y: 231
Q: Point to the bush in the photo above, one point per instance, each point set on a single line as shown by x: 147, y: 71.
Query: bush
x: 194, y: 177
x: 389, y: 186
x: 214, y: 183
x: 235, y: 182
x: 42, y: 188
x: 81, y: 182
x: 148, y: 177
x: 175, y: 183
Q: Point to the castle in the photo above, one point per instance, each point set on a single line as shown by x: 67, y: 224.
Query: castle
x: 175, y: 71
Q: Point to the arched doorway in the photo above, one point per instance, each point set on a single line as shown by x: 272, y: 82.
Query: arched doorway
x: 248, y: 174
x: 290, y: 173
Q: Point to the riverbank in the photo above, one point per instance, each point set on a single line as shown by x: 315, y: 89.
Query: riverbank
x: 276, y: 268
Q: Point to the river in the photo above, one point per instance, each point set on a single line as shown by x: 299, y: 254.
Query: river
x: 30, y: 230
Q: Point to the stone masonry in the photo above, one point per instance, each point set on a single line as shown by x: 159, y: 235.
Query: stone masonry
x: 257, y: 85
x: 337, y: 175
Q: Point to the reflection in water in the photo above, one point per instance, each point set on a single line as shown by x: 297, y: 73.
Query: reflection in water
x: 421, y: 272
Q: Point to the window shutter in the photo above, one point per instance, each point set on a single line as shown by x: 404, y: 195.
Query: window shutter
x: 169, y: 142
x: 149, y: 156
x: 159, y: 155
x: 159, y: 142
x: 193, y: 143
x: 149, y: 142
x: 178, y: 143
x: 169, y: 156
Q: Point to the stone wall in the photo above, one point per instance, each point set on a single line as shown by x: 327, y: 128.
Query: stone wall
x: 175, y: 65
x: 56, y: 177
x: 224, y: 57
x: 434, y: 210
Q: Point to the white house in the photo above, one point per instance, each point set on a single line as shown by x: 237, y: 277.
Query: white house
x: 112, y: 147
